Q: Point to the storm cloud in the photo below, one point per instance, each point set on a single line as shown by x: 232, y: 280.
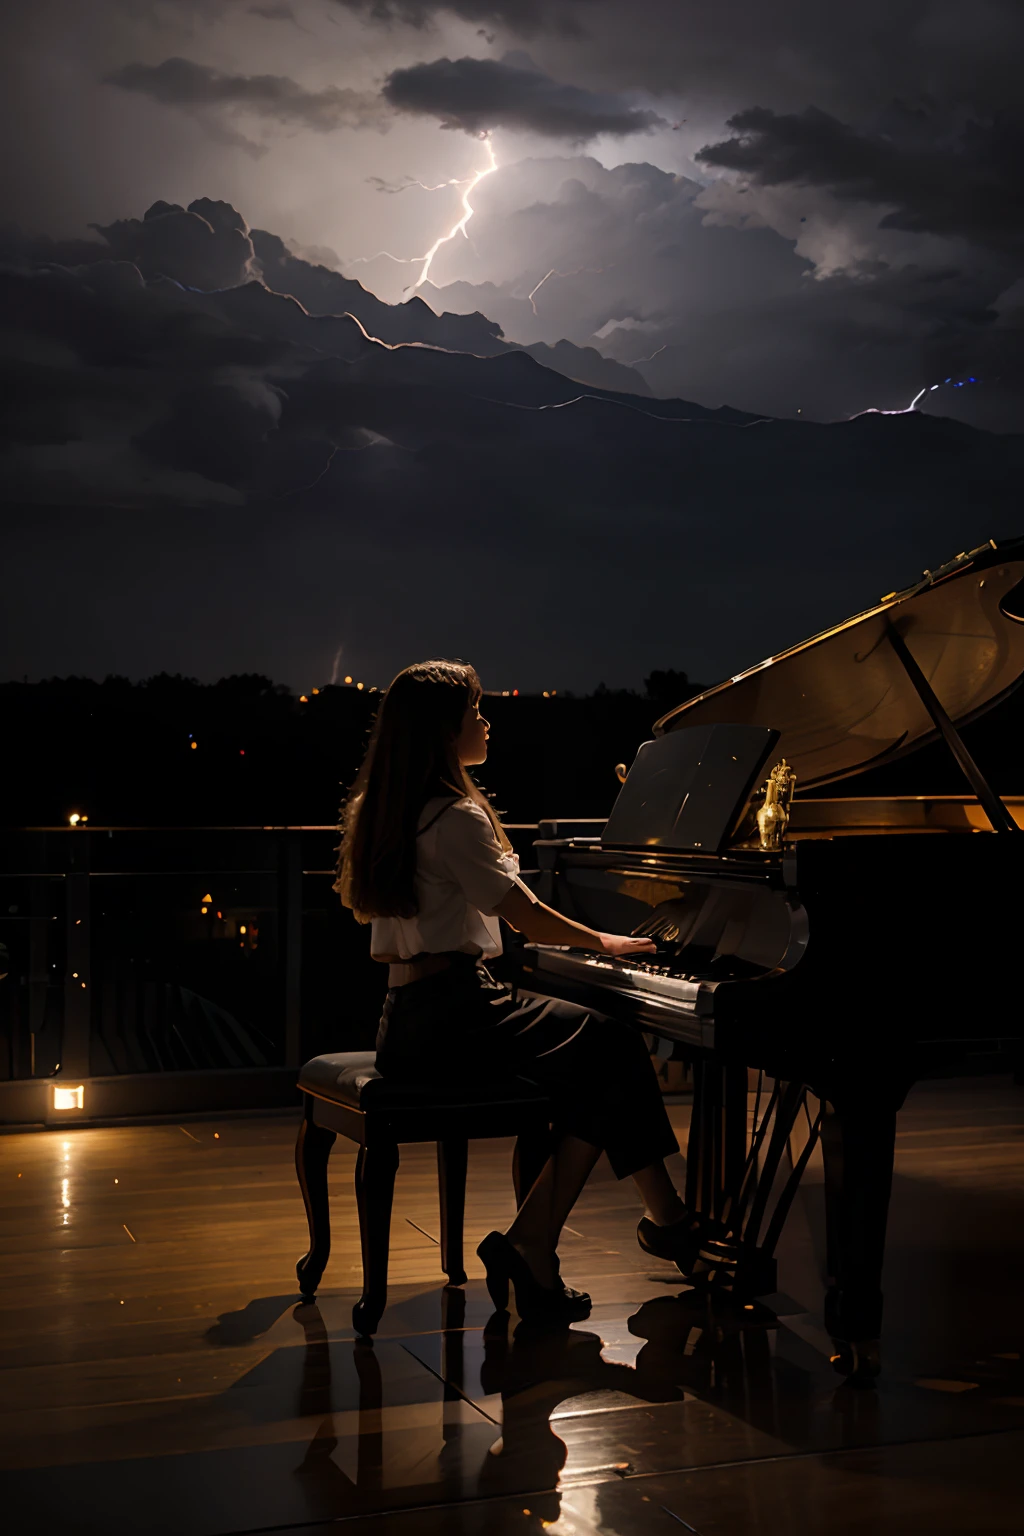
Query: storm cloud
x: 525, y: 17
x: 330, y: 478
x: 480, y: 94
x: 275, y: 98
x: 966, y: 184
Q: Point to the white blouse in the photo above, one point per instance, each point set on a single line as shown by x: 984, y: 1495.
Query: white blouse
x: 462, y: 874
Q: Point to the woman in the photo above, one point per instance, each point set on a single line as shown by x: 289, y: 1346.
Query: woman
x: 425, y: 861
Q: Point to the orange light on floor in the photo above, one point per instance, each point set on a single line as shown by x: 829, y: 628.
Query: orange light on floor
x: 69, y: 1098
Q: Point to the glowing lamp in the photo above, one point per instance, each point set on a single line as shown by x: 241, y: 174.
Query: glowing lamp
x: 74, y: 818
x: 69, y: 1098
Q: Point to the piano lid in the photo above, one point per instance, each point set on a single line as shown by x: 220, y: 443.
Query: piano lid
x: 843, y: 701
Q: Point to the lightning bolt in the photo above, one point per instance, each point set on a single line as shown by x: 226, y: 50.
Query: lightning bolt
x: 575, y: 272
x: 394, y: 187
x: 905, y: 410
x: 404, y: 261
x: 467, y: 213
x: 470, y: 183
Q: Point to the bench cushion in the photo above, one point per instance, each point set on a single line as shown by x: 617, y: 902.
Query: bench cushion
x: 351, y: 1078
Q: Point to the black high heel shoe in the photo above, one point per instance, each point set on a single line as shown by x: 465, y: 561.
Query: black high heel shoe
x: 534, y: 1302
x: 679, y: 1241
x: 569, y: 1290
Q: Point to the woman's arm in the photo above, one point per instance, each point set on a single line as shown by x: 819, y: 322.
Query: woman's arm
x: 543, y: 925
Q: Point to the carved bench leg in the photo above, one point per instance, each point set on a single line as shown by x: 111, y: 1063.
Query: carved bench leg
x: 375, y: 1189
x: 452, y: 1154
x: 312, y: 1151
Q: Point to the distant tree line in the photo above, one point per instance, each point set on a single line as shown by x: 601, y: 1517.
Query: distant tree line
x: 172, y: 751
x: 245, y: 751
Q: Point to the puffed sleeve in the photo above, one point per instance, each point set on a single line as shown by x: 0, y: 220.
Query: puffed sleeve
x: 472, y: 857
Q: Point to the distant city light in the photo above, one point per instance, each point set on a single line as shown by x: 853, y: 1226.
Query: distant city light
x: 74, y: 818
x: 220, y: 914
x: 348, y: 679
x: 204, y: 910
x: 241, y: 927
x: 554, y: 693
x: 303, y: 699
x: 241, y: 751
x: 546, y: 694
x: 194, y: 745
x: 206, y: 898
x: 359, y: 685
x: 316, y: 690
x: 515, y: 693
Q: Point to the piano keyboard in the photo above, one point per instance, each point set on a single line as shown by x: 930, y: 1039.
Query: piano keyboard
x: 656, y: 1000
x: 604, y: 971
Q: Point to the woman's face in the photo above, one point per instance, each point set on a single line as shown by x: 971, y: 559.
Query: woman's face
x: 471, y: 742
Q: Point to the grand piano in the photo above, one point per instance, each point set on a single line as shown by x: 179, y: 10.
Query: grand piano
x: 818, y: 952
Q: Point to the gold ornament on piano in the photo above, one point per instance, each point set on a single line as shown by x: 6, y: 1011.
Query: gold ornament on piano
x: 773, y: 815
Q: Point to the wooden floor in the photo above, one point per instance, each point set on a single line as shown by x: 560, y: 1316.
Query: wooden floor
x: 157, y: 1374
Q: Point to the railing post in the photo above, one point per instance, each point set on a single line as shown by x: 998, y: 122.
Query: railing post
x: 74, y: 1052
x: 291, y: 890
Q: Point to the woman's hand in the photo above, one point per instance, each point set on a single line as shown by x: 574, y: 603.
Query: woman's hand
x: 623, y: 945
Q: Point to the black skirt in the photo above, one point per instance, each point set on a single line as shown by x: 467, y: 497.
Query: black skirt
x: 460, y: 1027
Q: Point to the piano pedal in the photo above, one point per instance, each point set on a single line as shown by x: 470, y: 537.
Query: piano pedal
x: 859, y: 1361
x: 727, y: 1264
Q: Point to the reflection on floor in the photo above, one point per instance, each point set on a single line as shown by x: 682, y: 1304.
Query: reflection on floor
x: 158, y: 1374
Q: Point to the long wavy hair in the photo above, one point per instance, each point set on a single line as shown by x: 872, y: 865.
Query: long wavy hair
x: 410, y: 759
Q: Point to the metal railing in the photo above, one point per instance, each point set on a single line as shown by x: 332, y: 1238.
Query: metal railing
x: 145, y: 954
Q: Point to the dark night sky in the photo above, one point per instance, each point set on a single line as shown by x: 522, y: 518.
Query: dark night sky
x: 799, y: 211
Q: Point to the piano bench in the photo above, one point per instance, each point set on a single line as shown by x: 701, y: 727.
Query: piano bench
x: 345, y: 1095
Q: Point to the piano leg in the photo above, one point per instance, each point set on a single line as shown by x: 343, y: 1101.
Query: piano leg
x: 729, y: 1178
x: 858, y: 1139
x: 716, y: 1146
